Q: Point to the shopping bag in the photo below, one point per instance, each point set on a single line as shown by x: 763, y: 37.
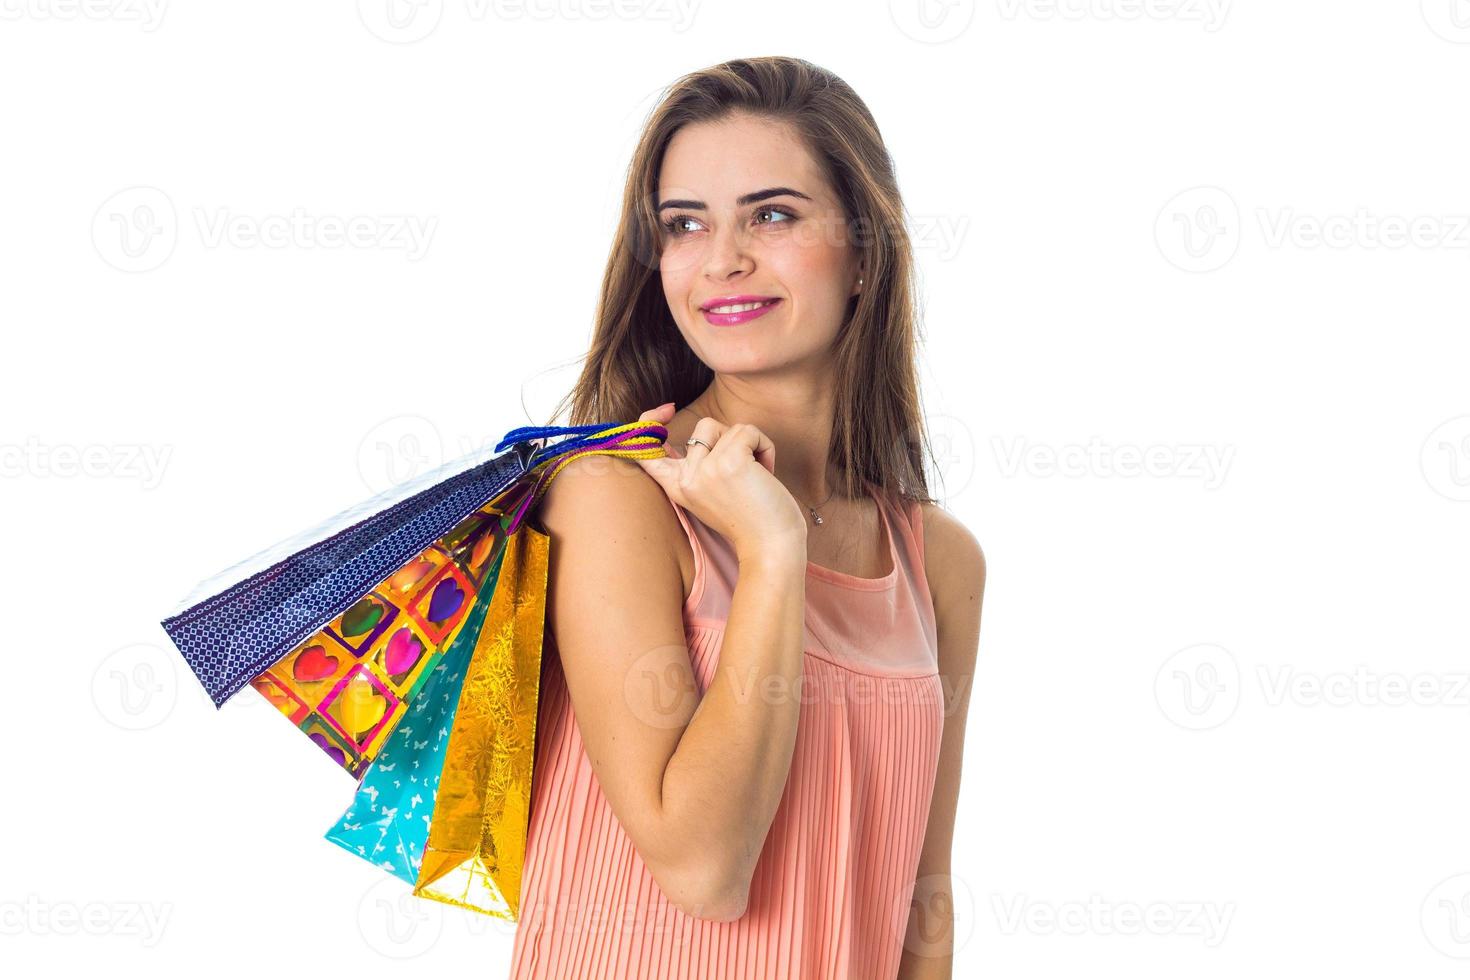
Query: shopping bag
x: 349, y: 684
x: 446, y: 804
x: 477, y: 835
x: 340, y: 625
x: 277, y: 599
x: 387, y: 822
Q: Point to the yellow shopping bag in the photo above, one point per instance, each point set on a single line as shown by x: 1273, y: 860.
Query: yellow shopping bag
x: 477, y: 835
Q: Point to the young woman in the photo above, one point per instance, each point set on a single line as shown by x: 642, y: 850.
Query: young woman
x: 759, y: 648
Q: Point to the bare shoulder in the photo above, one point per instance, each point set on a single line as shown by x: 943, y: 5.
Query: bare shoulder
x: 952, y: 553
x: 954, y: 564
x: 609, y: 510
x: 595, y: 481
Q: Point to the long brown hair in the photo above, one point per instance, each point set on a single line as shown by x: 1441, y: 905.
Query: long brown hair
x: 639, y: 359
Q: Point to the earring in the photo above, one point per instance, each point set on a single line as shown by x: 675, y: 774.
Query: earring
x: 860, y: 280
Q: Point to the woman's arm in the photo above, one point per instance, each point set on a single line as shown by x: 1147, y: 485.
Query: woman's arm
x: 694, y: 780
x: 955, y: 567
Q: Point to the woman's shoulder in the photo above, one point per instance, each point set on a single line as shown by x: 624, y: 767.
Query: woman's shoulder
x: 608, y: 509
x: 596, y: 484
x: 955, y: 566
x: 953, y: 558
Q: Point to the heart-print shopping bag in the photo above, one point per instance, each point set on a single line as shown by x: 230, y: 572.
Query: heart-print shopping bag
x: 341, y: 625
x: 388, y: 821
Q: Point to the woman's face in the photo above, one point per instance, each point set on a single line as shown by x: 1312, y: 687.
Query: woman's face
x: 746, y: 212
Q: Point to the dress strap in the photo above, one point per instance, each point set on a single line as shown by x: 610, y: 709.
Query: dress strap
x: 693, y: 605
x: 908, y: 523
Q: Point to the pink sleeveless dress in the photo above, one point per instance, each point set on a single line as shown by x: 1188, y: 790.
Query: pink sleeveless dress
x: 829, y: 899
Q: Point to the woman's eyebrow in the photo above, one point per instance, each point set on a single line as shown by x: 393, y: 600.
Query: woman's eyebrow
x: 741, y: 201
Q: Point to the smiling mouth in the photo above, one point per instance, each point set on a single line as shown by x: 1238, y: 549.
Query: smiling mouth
x: 738, y: 307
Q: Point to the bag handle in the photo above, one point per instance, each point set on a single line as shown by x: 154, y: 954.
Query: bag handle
x: 632, y: 440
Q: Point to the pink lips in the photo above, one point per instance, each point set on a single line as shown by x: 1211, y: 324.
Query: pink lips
x: 731, y: 319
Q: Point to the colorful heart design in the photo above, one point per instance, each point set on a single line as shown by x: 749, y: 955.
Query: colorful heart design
x: 481, y: 550
x: 410, y: 575
x: 402, y: 652
x: 446, y: 600
x: 335, y: 752
x: 360, y: 707
x: 274, y: 693
x: 314, y: 664
x: 363, y: 616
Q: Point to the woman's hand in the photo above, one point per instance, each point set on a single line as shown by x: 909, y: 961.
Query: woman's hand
x: 729, y: 483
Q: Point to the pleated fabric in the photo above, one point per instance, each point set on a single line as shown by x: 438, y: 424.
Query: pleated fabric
x: 829, y: 899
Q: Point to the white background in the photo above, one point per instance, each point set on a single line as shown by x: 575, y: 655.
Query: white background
x: 1225, y: 696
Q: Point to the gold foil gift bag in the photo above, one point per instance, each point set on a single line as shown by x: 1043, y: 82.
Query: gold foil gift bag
x: 477, y: 836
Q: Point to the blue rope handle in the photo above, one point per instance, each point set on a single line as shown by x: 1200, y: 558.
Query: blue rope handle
x: 527, y: 432
x: 578, y: 436
x: 614, y: 439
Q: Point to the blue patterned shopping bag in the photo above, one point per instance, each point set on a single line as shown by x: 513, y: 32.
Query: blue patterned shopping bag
x: 340, y: 626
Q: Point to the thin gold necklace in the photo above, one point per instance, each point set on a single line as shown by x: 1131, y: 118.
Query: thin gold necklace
x: 817, y: 518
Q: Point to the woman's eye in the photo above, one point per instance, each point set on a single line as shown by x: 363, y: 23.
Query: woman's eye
x: 675, y: 225
x: 786, y: 215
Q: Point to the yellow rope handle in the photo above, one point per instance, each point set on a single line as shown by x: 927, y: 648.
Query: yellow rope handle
x: 652, y: 435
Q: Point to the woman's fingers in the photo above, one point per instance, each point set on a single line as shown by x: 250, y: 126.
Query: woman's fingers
x: 661, y: 413
x: 742, y: 438
x: 714, y: 481
x: 663, y: 469
x: 758, y: 443
x: 708, y: 432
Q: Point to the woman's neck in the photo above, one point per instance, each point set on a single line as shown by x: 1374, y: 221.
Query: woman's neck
x: 801, y: 433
